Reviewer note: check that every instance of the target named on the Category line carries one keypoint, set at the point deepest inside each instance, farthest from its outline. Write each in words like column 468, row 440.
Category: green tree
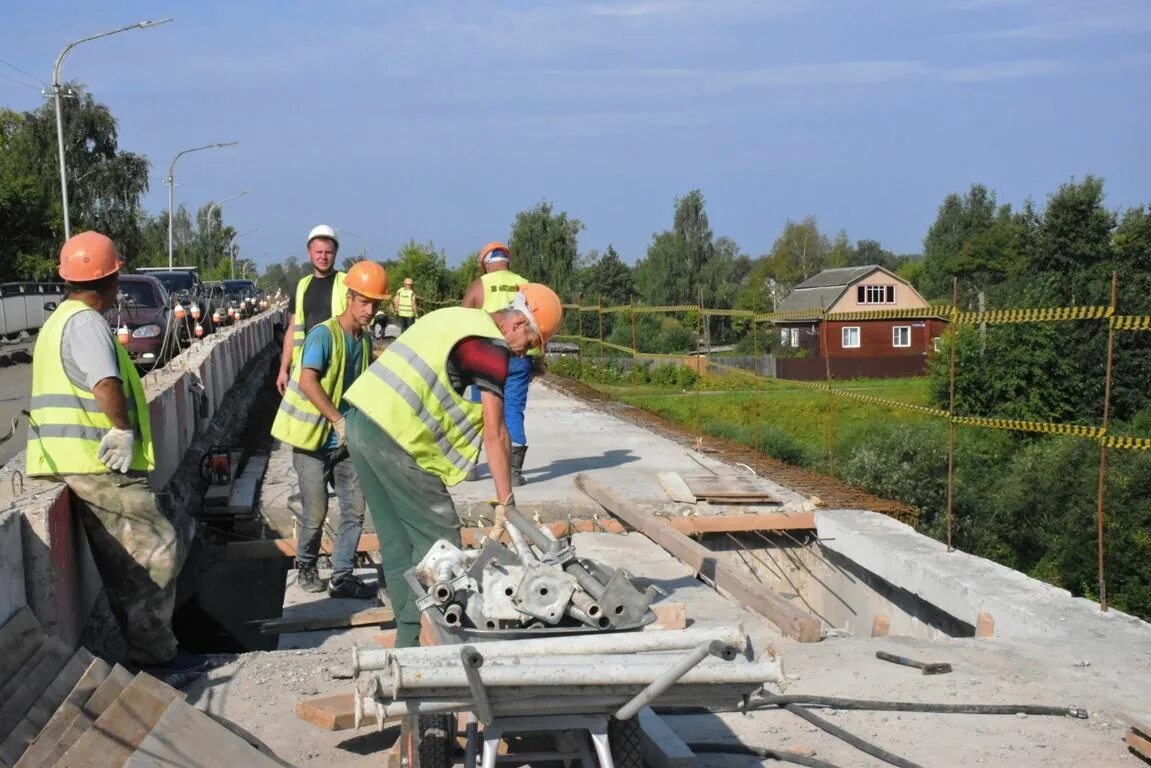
column 545, row 247
column 800, row 252
column 427, row 267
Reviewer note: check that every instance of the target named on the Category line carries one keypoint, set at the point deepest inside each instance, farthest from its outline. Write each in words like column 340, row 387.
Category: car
column 144, row 308
column 186, row 287
column 243, row 296
column 218, row 300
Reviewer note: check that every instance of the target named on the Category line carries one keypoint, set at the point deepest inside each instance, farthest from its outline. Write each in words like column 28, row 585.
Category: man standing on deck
column 404, row 303
column 311, row 420
column 317, row 297
column 412, row 433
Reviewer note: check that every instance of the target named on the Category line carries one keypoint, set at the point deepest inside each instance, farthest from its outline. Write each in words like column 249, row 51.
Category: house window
column 875, row 294
column 901, row 336
column 937, row 344
column 783, row 337
column 851, row 337
column 795, row 337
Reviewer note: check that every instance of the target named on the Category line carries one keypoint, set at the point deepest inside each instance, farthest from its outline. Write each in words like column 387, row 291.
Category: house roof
column 820, row 291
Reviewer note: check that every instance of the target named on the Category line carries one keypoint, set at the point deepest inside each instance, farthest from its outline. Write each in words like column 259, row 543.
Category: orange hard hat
column 542, row 307
column 494, row 248
column 88, row 256
column 369, row 279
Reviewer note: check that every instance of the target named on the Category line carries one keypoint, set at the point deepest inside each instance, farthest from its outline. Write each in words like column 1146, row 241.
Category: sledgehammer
column 928, row 669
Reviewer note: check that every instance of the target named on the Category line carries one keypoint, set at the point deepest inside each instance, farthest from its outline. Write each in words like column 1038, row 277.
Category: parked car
column 144, row 307
column 186, row 287
column 243, row 296
column 218, row 299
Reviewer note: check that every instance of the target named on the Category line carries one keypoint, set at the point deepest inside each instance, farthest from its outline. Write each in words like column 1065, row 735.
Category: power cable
column 26, row 74
column 707, row 747
column 914, row 706
column 19, row 82
column 861, row 744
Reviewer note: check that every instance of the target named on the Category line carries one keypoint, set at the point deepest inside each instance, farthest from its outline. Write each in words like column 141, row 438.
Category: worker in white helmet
column 318, row 297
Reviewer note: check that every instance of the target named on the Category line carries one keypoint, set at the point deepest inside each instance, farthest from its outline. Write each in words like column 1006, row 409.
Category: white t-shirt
column 88, row 350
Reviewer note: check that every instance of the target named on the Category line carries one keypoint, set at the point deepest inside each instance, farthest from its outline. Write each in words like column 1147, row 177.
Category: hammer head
column 936, row 669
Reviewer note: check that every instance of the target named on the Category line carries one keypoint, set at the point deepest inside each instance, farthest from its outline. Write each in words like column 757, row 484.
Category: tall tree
column 800, row 252
column 545, row 247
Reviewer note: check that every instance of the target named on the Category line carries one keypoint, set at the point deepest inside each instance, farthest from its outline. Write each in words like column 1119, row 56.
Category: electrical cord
column 707, row 747
column 12, row 430
column 855, row 741
column 913, row 706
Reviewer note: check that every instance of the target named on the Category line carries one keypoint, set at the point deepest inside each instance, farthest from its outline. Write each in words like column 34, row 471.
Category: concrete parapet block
column 11, row 566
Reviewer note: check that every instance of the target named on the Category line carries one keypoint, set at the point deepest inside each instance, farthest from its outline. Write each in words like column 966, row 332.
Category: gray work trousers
column 313, row 468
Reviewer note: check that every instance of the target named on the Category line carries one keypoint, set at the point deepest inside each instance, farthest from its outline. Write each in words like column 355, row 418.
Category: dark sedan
column 144, row 309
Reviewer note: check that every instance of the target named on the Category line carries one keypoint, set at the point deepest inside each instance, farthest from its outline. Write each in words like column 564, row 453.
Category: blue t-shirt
column 318, row 356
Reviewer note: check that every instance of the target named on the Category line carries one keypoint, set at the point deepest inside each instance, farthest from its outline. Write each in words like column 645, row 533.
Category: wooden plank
column 43, row 707
column 17, row 701
column 774, row 521
column 20, row 637
column 333, row 713
column 103, row 697
column 65, row 714
column 793, row 621
column 242, row 500
column 364, row 618
column 730, row 489
column 123, row 727
column 185, row 737
column 676, row 488
column 1138, row 742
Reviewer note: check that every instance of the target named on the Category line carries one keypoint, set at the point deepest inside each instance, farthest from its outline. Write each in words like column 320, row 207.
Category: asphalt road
column 15, row 384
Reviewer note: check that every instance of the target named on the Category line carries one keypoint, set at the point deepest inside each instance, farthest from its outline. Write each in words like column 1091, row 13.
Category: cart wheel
column 626, row 747
column 433, row 737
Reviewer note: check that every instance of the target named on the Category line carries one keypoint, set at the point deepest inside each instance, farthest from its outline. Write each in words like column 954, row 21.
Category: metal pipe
column 534, row 534
column 591, row 672
column 453, row 615
column 587, row 582
column 372, row 659
column 669, row 678
column 580, row 615
column 472, row 661
column 584, row 602
column 521, row 546
column 442, row 592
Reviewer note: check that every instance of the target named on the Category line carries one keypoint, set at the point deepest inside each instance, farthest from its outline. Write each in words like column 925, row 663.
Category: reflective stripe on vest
column 299, row 423
column 299, row 322
column 407, row 393
column 405, row 306
column 65, row 423
column 499, row 288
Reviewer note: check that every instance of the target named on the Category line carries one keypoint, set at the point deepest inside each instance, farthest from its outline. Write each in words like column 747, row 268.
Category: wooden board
column 730, row 489
column 43, row 707
column 1138, row 739
column 333, row 713
column 123, row 727
column 676, row 488
column 16, row 702
column 65, row 714
column 185, row 737
column 242, row 500
column 793, row 621
column 20, row 637
column 103, row 697
column 364, row 618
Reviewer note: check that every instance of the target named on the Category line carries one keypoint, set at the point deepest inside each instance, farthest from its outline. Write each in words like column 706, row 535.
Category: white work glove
column 341, row 433
column 116, row 449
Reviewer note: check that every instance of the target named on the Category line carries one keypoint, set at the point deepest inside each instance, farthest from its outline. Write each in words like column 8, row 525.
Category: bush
column 564, row 365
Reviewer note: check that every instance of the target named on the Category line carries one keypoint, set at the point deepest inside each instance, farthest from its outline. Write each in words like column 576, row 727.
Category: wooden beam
column 752, row 594
column 369, row 542
column 364, row 618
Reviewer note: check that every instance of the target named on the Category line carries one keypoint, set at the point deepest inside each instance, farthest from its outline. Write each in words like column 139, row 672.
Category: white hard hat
column 323, row 230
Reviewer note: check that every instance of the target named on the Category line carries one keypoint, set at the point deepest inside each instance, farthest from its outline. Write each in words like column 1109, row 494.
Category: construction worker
column 311, row 420
column 317, row 297
column 89, row 428
column 412, row 433
column 491, row 291
column 404, row 304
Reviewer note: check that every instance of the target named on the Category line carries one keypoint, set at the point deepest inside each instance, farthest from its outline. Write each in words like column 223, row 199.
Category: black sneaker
column 352, row 586
column 309, row 579
column 182, row 662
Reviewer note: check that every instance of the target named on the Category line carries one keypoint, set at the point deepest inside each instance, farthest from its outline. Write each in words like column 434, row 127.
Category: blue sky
column 440, row 120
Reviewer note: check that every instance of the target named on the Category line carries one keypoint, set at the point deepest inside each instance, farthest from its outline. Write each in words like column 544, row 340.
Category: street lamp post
column 171, row 182
column 57, row 93
column 232, row 270
column 214, row 206
column 363, row 245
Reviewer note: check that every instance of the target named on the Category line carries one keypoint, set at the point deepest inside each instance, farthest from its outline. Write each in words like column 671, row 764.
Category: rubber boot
column 518, row 453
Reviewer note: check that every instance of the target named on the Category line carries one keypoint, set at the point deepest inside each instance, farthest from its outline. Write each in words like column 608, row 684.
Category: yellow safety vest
column 407, row 304
column 65, row 425
column 299, row 423
column 499, row 288
column 299, row 326
column 407, row 393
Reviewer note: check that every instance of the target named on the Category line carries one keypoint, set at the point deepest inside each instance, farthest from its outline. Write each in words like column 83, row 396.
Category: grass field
column 782, row 418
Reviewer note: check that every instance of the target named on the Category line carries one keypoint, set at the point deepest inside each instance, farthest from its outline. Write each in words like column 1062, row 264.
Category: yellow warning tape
column 674, row 308
column 729, row 313
column 1130, row 443
column 1131, row 323
column 1036, row 315
column 1021, row 425
column 859, row 396
column 890, row 314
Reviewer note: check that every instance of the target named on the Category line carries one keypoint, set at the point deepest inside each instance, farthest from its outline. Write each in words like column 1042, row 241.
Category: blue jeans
column 313, row 468
column 515, row 397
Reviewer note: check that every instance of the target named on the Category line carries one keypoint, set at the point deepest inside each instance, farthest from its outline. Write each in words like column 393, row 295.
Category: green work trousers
column 134, row 545
column 410, row 507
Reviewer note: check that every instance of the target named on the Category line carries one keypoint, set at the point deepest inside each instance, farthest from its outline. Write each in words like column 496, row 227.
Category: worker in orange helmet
column 493, row 290
column 89, row 428
column 412, row 433
column 311, row 419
